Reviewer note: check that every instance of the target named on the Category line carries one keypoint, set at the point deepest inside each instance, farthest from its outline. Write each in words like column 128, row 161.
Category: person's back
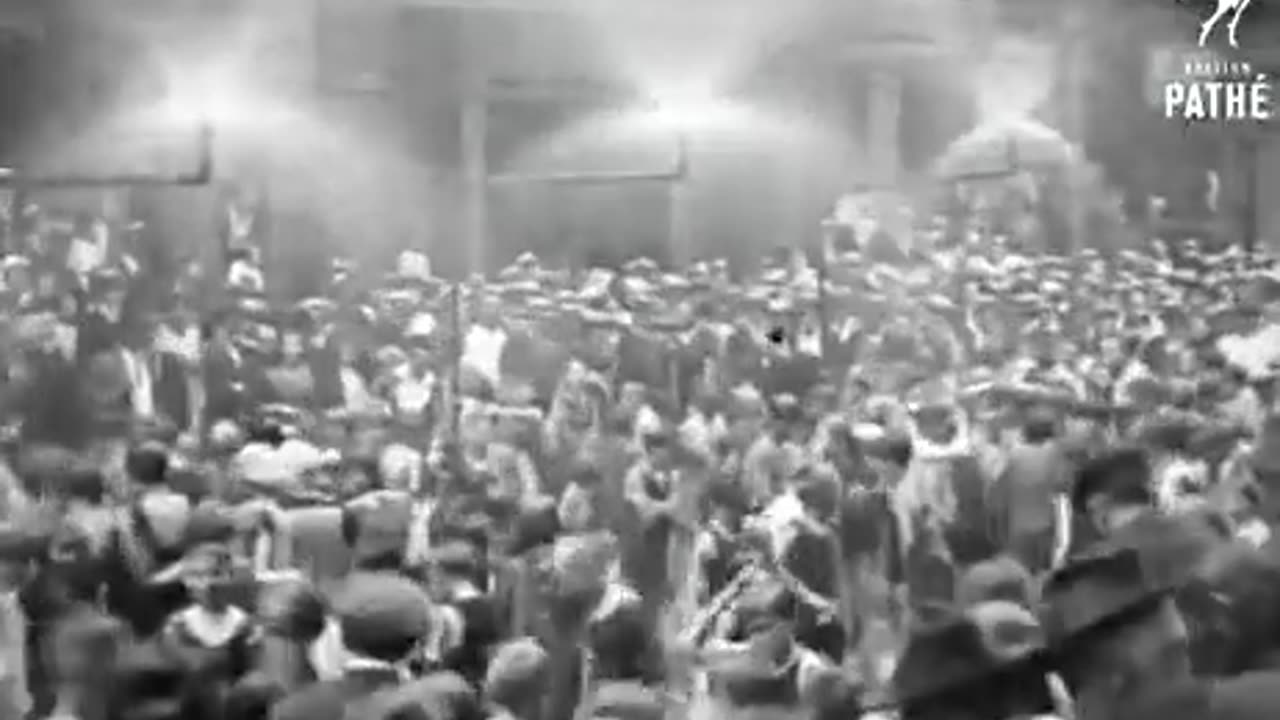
column 1036, row 474
column 54, row 408
column 1243, row 697
column 1033, row 476
column 330, row 699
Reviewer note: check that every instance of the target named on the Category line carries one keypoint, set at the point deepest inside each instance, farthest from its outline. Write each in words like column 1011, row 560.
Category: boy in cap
column 514, row 681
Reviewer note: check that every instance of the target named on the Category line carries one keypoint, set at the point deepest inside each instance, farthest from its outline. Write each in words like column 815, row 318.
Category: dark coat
column 330, row 699
column 221, row 372
column 1252, row 696
column 326, row 373
column 481, row 632
column 169, row 388
column 53, row 406
column 644, row 358
column 95, row 333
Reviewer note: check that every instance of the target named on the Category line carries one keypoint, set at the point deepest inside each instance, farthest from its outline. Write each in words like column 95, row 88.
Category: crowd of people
column 958, row 480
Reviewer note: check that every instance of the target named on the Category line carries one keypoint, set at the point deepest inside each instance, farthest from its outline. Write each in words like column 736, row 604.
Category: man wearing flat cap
column 383, row 618
column 513, row 684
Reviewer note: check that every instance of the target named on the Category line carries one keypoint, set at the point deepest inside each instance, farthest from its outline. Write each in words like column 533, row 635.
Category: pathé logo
column 1234, row 8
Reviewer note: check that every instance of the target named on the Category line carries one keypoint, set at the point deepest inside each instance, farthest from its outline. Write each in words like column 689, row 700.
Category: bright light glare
column 1015, row 78
column 223, row 108
column 213, row 92
column 694, row 115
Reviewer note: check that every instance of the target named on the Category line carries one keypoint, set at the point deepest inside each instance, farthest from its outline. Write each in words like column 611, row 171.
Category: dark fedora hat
column 1102, row 585
column 1122, row 472
column 961, row 651
column 1174, row 547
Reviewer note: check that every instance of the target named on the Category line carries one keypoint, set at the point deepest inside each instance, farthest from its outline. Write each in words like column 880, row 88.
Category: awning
column 1008, row 147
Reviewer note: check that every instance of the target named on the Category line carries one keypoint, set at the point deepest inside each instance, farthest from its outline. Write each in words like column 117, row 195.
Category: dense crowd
column 954, row 481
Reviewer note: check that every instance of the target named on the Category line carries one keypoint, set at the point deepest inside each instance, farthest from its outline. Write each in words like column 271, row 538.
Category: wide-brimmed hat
column 965, row 648
column 1095, row 588
column 1174, row 547
column 1120, row 472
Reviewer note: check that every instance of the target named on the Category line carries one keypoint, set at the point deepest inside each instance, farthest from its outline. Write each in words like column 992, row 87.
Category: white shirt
column 779, row 519
column 13, row 654
column 413, row 394
column 245, row 276
column 86, row 255
column 1132, row 371
column 327, row 653
column 212, row 629
column 647, row 422
column 141, row 396
column 701, row 432
column 355, row 393
column 482, row 350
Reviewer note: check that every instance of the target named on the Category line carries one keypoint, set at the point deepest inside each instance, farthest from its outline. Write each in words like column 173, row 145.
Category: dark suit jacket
column 94, row 334
column 220, row 373
column 53, row 406
column 326, row 373
column 1252, row 696
column 330, row 699
column 169, row 388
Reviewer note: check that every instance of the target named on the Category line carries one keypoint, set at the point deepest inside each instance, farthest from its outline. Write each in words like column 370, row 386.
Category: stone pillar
column 1266, row 167
column 284, row 57
column 678, row 250
column 475, row 130
column 884, row 110
column 680, row 206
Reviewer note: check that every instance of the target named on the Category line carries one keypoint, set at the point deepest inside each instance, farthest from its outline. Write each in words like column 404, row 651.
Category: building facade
column 411, row 107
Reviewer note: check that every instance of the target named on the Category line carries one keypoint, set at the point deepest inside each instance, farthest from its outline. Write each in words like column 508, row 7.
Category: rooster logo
column 1236, row 9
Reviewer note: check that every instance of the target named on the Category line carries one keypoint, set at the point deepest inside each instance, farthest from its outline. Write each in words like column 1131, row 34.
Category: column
column 884, row 110
column 284, row 57
column 1075, row 57
column 475, row 130
column 679, row 206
